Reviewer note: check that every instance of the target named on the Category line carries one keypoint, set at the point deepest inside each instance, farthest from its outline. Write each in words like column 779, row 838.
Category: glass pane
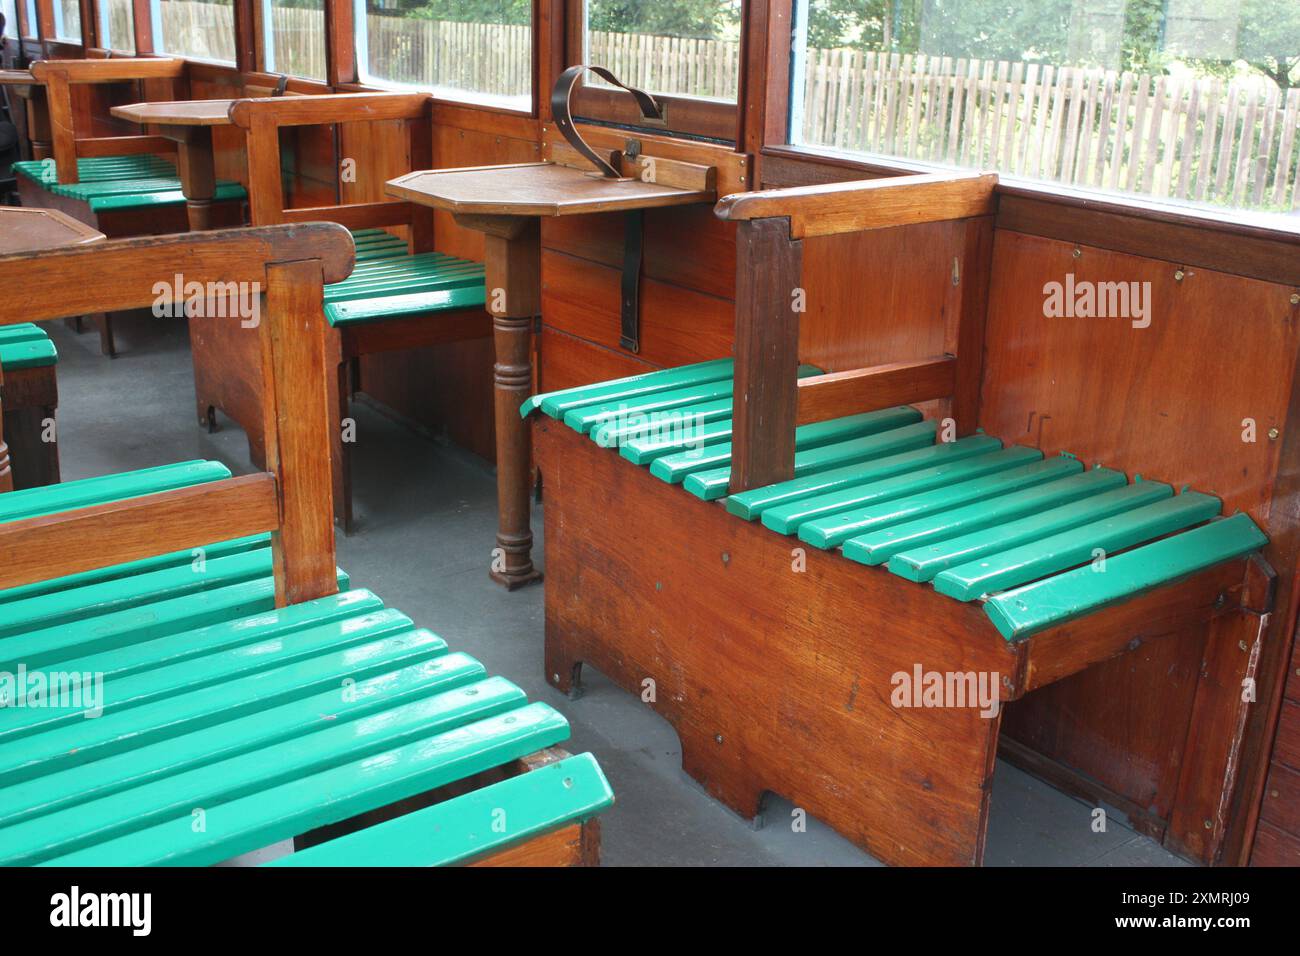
column 29, row 14
column 116, row 25
column 67, row 20
column 1185, row 101
column 476, row 50
column 10, row 12
column 296, row 37
column 678, row 47
column 204, row 30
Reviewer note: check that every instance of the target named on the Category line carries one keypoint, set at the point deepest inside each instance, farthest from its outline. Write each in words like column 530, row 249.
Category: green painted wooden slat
column 751, row 504
column 1078, row 545
column 928, row 469
column 217, row 667
column 80, row 784
column 1019, row 613
column 130, row 199
column 22, row 332
column 675, row 467
column 145, row 622
column 77, row 607
column 402, row 273
column 568, row 791
column 402, row 284
column 691, row 437
column 34, row 502
column 34, row 353
column 924, row 563
column 254, row 629
column 556, row 404
column 251, row 774
column 79, row 742
column 304, row 804
column 879, row 546
column 713, row 484
column 833, row 530
column 389, row 307
column 616, row 433
column 117, row 572
column 683, row 400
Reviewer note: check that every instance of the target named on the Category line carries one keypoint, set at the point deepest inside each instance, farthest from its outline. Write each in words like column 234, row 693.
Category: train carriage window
column 686, row 52
column 29, row 19
column 67, row 20
column 116, row 25
column 201, row 29
column 1179, row 101
column 477, row 51
column 294, row 32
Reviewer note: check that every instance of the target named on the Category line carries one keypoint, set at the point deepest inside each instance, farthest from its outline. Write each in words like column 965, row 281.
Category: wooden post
column 198, row 178
column 966, row 309
column 512, row 263
column 58, row 97
column 765, row 399
column 297, row 429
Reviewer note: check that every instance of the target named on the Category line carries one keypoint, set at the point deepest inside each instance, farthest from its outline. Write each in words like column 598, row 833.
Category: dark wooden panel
column 1274, row 847
column 1286, row 748
column 1282, row 799
column 678, row 325
column 566, row 361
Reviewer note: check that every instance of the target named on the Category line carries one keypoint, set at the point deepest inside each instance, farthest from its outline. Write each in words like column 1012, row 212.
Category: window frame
column 486, row 102
column 689, row 117
column 265, row 41
column 156, row 37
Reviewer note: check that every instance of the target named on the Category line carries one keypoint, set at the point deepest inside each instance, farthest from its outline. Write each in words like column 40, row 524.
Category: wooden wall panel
column 679, row 325
column 565, row 361
column 1166, row 401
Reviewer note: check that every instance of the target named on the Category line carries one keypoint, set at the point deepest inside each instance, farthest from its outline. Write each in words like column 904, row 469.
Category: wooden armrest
column 322, row 108
column 109, row 71
column 866, row 204
column 119, row 275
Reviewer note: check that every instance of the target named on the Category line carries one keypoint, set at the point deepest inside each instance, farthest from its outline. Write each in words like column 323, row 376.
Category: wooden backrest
column 262, row 118
column 770, row 401
column 287, row 266
column 59, row 76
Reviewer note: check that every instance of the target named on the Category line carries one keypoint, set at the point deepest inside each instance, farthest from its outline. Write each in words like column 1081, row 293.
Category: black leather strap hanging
column 562, row 111
column 280, row 85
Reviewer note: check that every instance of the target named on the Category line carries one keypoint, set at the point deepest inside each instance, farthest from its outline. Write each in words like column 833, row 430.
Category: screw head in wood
column 1274, row 434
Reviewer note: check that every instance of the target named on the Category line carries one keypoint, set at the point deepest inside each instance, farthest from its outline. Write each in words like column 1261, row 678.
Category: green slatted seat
column 26, row 346
column 273, row 721
column 976, row 520
column 389, row 282
column 120, row 182
column 567, row 791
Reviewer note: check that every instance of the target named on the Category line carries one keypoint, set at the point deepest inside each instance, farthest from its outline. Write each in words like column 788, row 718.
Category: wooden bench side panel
column 775, row 679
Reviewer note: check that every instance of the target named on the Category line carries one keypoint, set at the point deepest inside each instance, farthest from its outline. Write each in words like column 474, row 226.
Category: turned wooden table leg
column 198, row 179
column 512, row 258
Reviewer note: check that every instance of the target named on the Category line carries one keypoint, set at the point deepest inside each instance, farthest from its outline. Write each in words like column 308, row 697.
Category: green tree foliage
column 704, row 19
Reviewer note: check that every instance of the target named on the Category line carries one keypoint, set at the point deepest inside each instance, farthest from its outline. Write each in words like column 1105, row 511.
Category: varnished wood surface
column 534, row 189
column 836, row 394
column 177, row 113
column 30, row 230
column 16, row 78
column 51, row 546
column 110, row 70
column 832, row 208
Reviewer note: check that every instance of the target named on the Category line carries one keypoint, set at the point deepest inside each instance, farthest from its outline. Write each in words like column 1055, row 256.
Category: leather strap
column 562, row 111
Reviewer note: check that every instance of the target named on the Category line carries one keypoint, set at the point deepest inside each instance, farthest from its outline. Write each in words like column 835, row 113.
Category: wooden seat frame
column 776, row 662
column 222, row 353
column 291, row 265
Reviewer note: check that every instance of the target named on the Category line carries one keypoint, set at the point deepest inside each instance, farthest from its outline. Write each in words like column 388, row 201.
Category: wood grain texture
column 38, row 549
column 832, row 208
column 765, row 402
column 821, row 397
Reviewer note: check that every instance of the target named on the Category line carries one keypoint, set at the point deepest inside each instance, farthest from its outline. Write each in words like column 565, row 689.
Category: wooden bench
column 401, row 295
column 29, row 361
column 122, row 185
column 242, row 694
column 830, row 596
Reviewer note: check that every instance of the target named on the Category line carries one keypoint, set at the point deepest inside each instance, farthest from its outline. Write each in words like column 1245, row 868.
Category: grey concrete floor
column 426, row 521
